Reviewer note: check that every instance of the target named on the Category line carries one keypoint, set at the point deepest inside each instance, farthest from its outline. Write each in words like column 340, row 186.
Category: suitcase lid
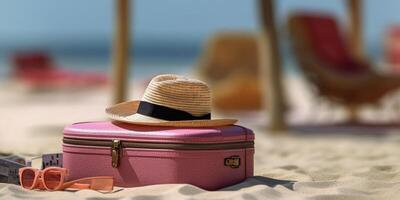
column 138, row 133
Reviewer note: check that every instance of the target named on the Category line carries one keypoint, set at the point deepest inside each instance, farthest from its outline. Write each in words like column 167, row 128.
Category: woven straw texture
column 173, row 91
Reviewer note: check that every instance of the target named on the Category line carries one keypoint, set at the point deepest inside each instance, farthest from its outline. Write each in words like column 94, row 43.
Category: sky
column 49, row 21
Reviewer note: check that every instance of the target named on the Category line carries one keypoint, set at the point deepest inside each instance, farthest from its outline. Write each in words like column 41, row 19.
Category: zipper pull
column 115, row 153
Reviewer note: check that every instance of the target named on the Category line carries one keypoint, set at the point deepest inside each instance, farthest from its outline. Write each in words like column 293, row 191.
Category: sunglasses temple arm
column 103, row 183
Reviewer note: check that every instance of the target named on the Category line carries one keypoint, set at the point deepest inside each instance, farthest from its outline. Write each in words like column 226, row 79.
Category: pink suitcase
column 210, row 158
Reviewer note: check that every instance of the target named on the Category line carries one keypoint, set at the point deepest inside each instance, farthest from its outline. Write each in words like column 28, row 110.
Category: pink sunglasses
column 53, row 178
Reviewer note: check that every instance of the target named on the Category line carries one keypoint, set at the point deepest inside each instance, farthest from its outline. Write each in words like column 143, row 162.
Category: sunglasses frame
column 99, row 183
column 39, row 177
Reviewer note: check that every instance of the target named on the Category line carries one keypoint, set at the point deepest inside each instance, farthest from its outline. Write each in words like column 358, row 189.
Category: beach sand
column 323, row 166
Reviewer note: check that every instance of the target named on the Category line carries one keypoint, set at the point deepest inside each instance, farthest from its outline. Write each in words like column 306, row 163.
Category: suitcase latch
column 115, row 153
column 232, row 162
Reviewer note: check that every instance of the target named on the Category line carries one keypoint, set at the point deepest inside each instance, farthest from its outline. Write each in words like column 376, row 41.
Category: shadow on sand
column 260, row 180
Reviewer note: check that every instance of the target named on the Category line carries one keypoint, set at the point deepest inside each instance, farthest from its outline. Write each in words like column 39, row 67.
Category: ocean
column 148, row 57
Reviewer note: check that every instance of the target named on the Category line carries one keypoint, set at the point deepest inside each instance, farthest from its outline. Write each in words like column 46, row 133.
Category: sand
column 323, row 166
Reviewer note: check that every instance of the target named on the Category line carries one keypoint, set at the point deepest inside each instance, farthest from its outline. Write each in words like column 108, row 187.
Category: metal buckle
column 115, row 153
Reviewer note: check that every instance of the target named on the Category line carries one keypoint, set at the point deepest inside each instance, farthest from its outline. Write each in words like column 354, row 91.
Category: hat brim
column 126, row 112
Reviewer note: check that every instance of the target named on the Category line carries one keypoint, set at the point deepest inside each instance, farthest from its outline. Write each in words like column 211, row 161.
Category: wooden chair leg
column 353, row 114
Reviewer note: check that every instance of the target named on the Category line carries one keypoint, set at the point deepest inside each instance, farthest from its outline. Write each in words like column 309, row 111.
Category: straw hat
column 170, row 100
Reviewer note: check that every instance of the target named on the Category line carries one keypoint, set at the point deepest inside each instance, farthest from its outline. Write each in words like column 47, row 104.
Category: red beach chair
column 324, row 57
column 38, row 70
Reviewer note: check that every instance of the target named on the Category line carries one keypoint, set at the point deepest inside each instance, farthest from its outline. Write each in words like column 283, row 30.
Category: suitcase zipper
column 118, row 145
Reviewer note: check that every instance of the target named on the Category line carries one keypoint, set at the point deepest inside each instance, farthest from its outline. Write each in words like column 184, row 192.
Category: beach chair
column 230, row 64
column 391, row 45
column 37, row 70
column 325, row 58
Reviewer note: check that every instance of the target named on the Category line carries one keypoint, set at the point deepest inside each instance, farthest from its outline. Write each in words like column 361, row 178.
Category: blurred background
column 79, row 34
column 56, row 60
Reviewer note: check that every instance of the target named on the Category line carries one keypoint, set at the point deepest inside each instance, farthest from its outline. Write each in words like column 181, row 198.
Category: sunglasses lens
column 27, row 178
column 52, row 178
